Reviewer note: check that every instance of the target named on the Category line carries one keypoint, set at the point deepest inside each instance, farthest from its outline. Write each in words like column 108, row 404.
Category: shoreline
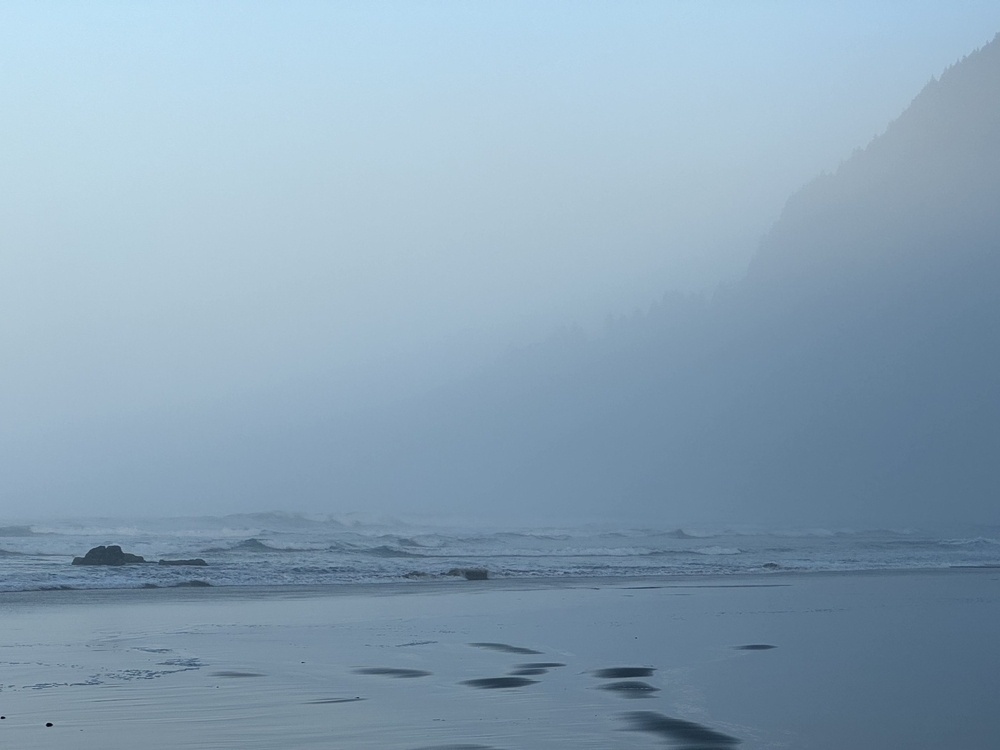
column 868, row 659
column 199, row 590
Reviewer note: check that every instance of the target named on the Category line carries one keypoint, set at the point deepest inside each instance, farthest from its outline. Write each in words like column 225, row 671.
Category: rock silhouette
column 110, row 555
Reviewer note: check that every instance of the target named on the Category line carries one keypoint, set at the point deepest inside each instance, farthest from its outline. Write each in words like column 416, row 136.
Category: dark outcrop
column 110, row 555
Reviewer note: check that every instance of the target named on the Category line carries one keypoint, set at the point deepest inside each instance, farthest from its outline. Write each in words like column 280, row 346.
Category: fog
column 239, row 243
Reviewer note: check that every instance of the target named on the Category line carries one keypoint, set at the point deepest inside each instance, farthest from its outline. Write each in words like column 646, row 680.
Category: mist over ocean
column 499, row 375
column 282, row 549
column 512, row 280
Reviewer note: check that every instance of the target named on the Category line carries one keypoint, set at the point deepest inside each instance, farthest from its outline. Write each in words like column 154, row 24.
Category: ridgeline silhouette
column 851, row 377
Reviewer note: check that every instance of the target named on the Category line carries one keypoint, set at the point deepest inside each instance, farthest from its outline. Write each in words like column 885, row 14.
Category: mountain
column 851, row 377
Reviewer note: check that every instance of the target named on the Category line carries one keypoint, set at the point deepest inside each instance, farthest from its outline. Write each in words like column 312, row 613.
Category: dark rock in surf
column 192, row 561
column 470, row 574
column 110, row 555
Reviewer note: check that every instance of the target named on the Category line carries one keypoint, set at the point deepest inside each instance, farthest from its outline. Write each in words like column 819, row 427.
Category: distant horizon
column 360, row 520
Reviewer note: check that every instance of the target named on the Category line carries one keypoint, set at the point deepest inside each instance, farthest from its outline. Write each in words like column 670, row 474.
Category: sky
column 208, row 202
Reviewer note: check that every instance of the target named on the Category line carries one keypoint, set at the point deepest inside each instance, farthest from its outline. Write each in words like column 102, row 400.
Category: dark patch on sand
column 618, row 673
column 232, row 673
column 392, row 672
column 631, row 688
column 756, row 647
column 324, row 701
column 494, row 683
column 684, row 735
column 536, row 667
column 505, row 648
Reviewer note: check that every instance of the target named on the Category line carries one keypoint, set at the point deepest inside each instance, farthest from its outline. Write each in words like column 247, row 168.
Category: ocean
column 286, row 549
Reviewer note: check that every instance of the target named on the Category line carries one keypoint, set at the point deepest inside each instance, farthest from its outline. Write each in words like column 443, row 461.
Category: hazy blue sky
column 204, row 200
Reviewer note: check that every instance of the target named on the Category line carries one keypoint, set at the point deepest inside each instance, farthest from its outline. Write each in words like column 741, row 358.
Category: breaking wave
column 279, row 549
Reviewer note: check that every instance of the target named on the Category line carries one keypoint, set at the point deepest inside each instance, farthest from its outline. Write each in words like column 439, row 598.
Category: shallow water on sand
column 854, row 660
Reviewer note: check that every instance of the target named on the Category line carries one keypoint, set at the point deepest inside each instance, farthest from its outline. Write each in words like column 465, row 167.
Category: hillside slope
column 851, row 377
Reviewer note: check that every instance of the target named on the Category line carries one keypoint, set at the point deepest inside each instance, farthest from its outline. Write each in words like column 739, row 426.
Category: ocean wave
column 404, row 541
column 979, row 541
column 718, row 551
column 17, row 531
column 289, row 549
column 282, row 521
column 322, row 570
column 254, row 545
column 680, row 534
column 94, row 530
column 386, row 551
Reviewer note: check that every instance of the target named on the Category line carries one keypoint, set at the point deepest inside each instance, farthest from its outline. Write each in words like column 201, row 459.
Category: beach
column 817, row 660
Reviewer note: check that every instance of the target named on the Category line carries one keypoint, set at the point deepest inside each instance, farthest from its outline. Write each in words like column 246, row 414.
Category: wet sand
column 858, row 661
